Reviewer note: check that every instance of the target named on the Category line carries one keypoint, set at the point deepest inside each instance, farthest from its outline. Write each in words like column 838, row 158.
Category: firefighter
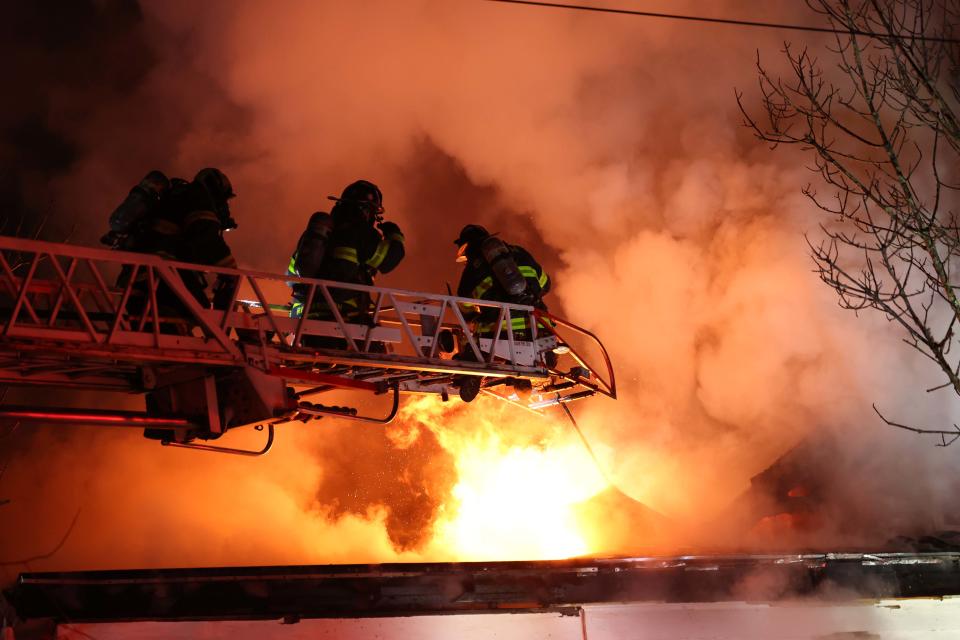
column 350, row 244
column 496, row 271
column 178, row 220
column 307, row 259
column 206, row 217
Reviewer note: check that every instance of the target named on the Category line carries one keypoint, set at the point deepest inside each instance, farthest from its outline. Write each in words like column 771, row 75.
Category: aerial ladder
column 68, row 320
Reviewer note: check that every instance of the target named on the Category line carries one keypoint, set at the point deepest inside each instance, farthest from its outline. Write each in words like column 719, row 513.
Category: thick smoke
column 609, row 147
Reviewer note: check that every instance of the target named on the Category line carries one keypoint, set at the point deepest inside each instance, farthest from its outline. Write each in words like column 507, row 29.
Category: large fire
column 519, row 478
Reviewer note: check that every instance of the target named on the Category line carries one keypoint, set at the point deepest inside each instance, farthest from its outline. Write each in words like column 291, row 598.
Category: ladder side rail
column 401, row 310
column 510, row 339
column 266, row 305
column 467, row 332
column 169, row 275
column 119, row 321
column 61, row 293
column 435, row 344
column 377, row 310
column 328, row 297
column 288, row 326
column 142, row 320
column 414, row 343
column 99, row 296
column 496, row 336
column 439, row 303
column 101, row 286
column 234, row 290
column 10, row 280
column 129, row 258
column 610, row 383
column 43, row 288
column 158, row 272
column 298, row 333
column 152, row 284
column 21, row 299
column 127, row 347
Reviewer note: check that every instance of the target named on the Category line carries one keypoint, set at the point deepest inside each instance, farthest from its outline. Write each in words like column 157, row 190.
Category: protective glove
column 389, row 229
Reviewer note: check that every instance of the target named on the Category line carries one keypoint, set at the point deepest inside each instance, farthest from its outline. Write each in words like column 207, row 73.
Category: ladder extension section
column 81, row 317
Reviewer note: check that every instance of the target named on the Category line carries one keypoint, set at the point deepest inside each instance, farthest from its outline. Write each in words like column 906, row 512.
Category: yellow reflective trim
column 346, row 253
column 292, row 267
column 482, row 287
column 518, row 324
column 396, row 237
column 531, row 272
column 528, row 272
column 379, row 255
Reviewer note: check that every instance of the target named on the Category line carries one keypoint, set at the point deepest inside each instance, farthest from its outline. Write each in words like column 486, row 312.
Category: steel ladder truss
column 77, row 317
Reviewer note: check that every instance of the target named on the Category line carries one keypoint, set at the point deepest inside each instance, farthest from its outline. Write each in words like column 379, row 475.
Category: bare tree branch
column 880, row 121
column 944, row 442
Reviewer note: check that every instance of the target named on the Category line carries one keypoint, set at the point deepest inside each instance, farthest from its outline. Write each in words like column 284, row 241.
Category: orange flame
column 519, row 479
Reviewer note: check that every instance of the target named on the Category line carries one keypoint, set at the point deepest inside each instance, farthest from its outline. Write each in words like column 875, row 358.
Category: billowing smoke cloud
column 609, row 147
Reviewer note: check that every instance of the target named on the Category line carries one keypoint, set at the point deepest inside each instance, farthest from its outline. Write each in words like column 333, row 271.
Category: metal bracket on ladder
column 215, row 449
column 320, row 410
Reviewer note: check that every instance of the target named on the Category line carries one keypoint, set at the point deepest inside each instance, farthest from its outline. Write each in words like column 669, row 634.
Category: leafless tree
column 880, row 115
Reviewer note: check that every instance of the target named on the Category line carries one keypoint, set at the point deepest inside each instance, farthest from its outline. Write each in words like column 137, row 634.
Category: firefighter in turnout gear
column 350, row 244
column 497, row 271
column 178, row 220
column 307, row 258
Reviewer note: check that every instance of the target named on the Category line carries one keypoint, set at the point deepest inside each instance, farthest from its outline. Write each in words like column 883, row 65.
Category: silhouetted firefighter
column 177, row 220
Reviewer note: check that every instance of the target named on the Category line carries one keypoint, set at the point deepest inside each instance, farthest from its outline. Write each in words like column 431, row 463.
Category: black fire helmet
column 470, row 237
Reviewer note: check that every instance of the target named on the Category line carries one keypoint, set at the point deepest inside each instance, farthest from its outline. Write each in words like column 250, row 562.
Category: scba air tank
column 140, row 202
column 497, row 254
column 313, row 244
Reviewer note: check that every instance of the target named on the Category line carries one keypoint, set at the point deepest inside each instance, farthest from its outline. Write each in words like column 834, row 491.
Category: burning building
column 612, row 149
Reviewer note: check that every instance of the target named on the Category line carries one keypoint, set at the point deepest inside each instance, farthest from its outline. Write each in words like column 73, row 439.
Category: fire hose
column 586, row 444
